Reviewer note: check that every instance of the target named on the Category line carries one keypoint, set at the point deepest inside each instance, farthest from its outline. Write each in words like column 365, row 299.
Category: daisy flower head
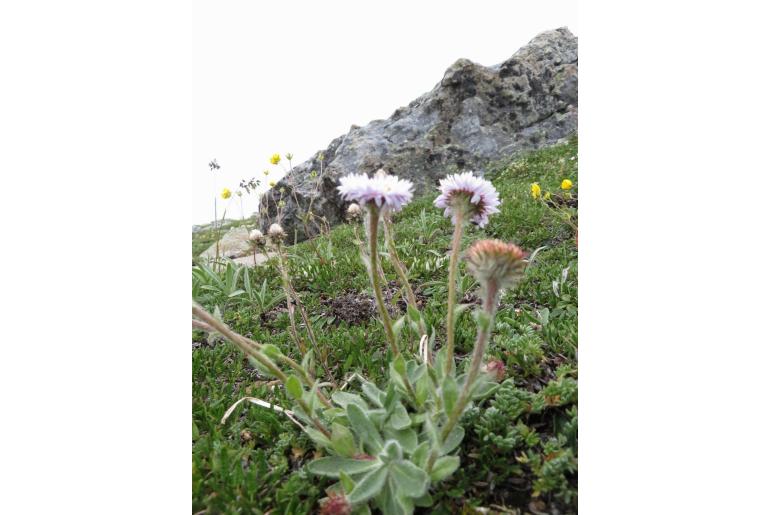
column 383, row 190
column 476, row 197
column 566, row 184
column 496, row 262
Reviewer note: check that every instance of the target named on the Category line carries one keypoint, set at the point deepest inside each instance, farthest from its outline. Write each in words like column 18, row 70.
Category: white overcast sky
column 289, row 76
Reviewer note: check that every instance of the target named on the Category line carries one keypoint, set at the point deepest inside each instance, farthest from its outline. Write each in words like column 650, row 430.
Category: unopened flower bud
column 336, row 504
column 276, row 234
column 496, row 369
column 496, row 263
column 354, row 212
column 257, row 237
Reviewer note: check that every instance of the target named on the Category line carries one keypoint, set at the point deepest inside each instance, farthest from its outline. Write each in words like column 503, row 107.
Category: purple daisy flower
column 481, row 195
column 383, row 190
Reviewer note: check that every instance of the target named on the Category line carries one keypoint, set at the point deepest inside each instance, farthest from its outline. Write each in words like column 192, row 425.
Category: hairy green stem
column 401, row 270
column 452, row 286
column 482, row 339
column 491, row 293
column 289, row 305
column 374, row 218
column 305, row 319
column 253, row 349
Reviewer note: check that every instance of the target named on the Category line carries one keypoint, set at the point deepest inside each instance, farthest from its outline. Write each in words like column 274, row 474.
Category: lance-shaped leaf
column 374, row 394
column 449, row 393
column 342, row 440
column 410, row 480
column 453, row 439
column 331, row 466
column 400, row 418
column 294, row 386
column 346, row 482
column 364, row 428
column 421, row 454
column 345, row 398
column 392, row 451
column 444, row 467
column 369, row 486
column 407, row 438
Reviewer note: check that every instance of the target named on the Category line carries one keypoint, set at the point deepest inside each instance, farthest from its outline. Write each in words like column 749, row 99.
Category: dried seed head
column 276, row 234
column 494, row 262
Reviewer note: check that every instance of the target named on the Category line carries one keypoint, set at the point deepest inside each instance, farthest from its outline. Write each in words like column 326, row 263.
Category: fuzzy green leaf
column 374, row 394
column 407, row 438
column 318, row 437
column 391, row 451
column 331, row 466
column 364, row 428
column 449, row 393
column 411, row 480
column 453, row 440
column 444, row 467
column 369, row 486
column 400, row 418
column 271, row 351
column 399, row 364
column 347, row 482
column 342, row 440
column 345, row 398
column 420, row 454
column 294, row 387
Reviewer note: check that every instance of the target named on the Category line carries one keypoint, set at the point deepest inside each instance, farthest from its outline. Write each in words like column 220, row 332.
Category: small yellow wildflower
column 535, row 189
column 566, row 184
column 226, row 194
column 275, row 159
column 271, row 184
column 547, row 195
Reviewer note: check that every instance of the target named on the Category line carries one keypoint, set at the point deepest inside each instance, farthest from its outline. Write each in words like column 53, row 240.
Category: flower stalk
column 374, row 218
column 253, row 349
column 452, row 286
column 401, row 271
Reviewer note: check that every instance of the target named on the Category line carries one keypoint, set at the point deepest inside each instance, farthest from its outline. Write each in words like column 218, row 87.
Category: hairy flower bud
column 496, row 369
column 496, row 263
column 354, row 212
column 276, row 234
column 257, row 237
column 336, row 504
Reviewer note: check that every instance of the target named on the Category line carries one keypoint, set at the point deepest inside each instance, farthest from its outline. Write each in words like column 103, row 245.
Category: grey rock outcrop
column 234, row 244
column 475, row 116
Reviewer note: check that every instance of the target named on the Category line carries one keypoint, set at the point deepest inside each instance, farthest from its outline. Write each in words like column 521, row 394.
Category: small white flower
column 480, row 194
column 383, row 190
